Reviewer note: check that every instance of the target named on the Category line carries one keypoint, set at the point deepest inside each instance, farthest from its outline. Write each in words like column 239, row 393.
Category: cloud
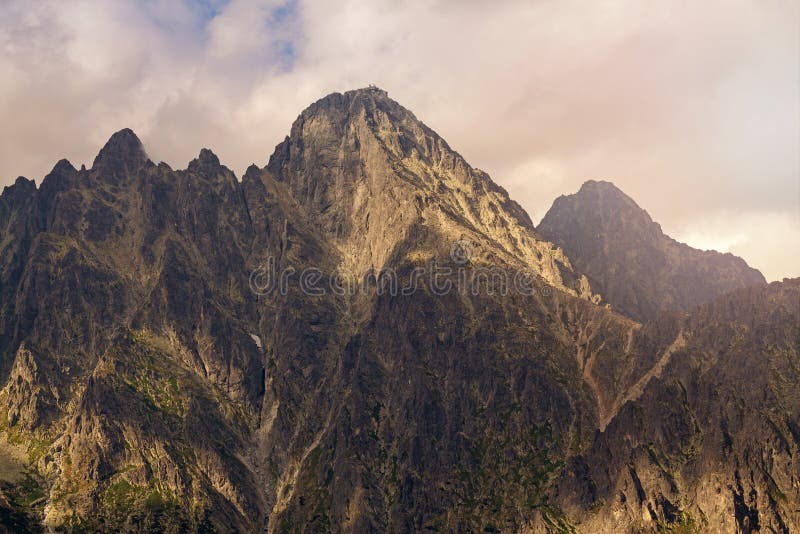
column 770, row 241
column 692, row 109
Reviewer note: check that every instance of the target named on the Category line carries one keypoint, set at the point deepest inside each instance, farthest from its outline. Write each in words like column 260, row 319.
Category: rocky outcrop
column 182, row 351
column 121, row 156
column 635, row 267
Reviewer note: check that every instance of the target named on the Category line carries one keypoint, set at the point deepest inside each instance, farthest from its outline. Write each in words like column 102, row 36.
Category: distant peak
column 123, row 150
column 599, row 185
column 605, row 193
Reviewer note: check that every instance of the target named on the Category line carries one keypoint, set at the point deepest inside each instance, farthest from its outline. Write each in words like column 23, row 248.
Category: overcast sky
column 692, row 108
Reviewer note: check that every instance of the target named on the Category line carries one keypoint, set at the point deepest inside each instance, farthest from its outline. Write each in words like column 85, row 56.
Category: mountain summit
column 372, row 175
column 638, row 269
column 123, row 151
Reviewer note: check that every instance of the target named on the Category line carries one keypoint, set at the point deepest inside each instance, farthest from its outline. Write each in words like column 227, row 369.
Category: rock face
column 635, row 267
column 710, row 443
column 372, row 174
column 183, row 351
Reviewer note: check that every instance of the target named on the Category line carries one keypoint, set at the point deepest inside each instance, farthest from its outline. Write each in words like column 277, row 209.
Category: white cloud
column 692, row 109
column 769, row 241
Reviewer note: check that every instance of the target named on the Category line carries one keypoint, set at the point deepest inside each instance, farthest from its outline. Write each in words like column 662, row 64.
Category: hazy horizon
column 693, row 112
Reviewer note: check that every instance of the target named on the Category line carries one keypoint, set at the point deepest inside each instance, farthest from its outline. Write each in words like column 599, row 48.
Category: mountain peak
column 205, row 162
column 207, row 156
column 370, row 92
column 605, row 191
column 123, row 151
column 600, row 185
column 337, row 116
column 372, row 173
column 630, row 261
column 349, row 105
column 63, row 166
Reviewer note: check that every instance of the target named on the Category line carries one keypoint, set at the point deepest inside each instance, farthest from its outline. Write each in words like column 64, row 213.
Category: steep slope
column 16, row 234
column 370, row 172
column 712, row 442
column 635, row 267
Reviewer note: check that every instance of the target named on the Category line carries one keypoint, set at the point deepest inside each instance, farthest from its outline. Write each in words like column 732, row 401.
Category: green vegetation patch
column 150, row 372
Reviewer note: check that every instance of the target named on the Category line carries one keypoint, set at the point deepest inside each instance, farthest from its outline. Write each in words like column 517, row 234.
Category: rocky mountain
column 373, row 175
column 365, row 335
column 635, row 267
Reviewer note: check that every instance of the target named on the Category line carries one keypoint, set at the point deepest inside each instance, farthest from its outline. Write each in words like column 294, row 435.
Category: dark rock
column 123, row 153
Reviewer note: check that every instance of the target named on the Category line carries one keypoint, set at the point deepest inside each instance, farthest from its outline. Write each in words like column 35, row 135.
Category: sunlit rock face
column 156, row 379
column 371, row 173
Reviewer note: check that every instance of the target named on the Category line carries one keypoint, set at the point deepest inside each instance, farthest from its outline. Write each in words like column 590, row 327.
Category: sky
column 691, row 108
